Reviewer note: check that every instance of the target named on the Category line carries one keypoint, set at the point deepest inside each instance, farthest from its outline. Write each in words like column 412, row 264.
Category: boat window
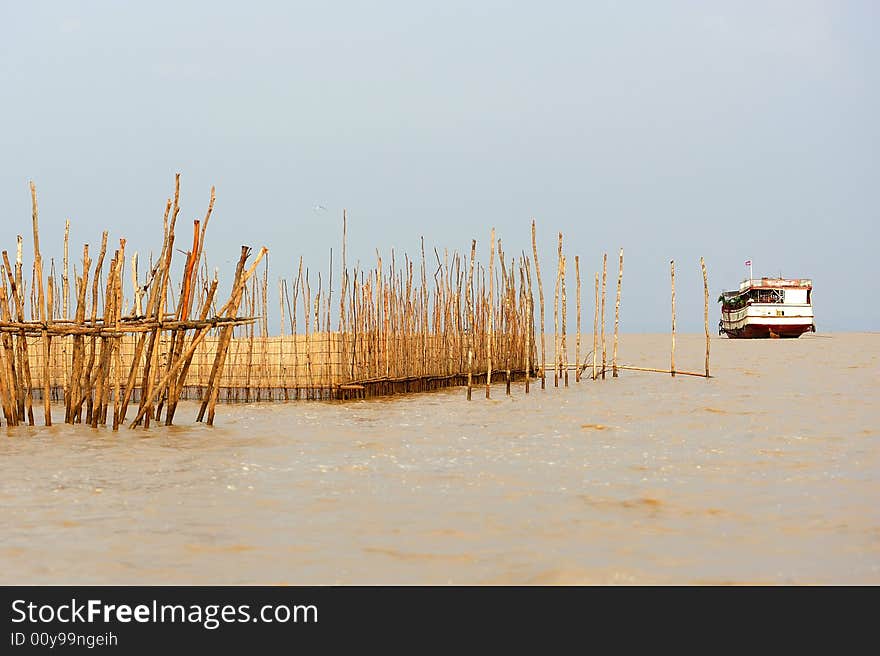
column 766, row 295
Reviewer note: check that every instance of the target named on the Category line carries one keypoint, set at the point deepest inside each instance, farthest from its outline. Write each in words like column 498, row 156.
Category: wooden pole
column 136, row 309
column 672, row 353
column 699, row 374
column 563, row 356
column 231, row 308
column 343, row 293
column 577, row 348
column 541, row 301
column 706, row 310
column 557, row 364
column 25, row 397
column 41, row 303
column 73, row 386
column 617, row 316
column 529, row 321
column 595, row 326
column 65, row 284
column 604, row 281
column 65, row 292
column 90, row 372
column 8, row 353
column 489, row 332
column 469, row 294
column 117, row 343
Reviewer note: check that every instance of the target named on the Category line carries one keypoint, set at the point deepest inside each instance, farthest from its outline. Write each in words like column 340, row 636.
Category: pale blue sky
column 732, row 130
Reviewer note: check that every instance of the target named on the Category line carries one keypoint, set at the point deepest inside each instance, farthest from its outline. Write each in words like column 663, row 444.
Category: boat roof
column 775, row 283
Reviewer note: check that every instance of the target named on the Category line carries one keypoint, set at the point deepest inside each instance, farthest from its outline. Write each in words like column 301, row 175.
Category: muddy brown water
column 767, row 473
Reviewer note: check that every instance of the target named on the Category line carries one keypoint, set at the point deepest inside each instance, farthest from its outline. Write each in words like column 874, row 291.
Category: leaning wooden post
column 491, row 316
column 541, row 301
column 596, row 326
column 25, row 397
column 231, row 308
column 604, row 285
column 577, row 348
column 672, row 354
column 617, row 316
column 706, row 310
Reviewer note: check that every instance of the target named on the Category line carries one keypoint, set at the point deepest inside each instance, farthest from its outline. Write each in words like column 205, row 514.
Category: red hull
column 764, row 331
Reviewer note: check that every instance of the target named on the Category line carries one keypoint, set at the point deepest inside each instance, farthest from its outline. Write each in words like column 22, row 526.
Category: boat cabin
column 774, row 307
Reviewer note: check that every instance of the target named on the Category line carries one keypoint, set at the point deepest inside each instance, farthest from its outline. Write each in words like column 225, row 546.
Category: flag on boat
column 748, row 263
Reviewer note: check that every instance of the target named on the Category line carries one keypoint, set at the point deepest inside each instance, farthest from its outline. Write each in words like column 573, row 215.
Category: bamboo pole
column 136, row 310
column 65, row 293
column 672, row 352
column 329, row 365
column 661, row 371
column 117, row 344
column 89, row 372
column 64, row 275
column 184, row 305
column 6, row 396
column 706, row 310
column 489, row 333
column 530, row 319
column 577, row 348
column 604, row 280
column 97, row 381
column 76, row 368
column 596, row 327
column 541, row 300
column 557, row 363
column 469, row 291
column 343, row 293
column 563, row 358
column 508, row 323
column 281, row 369
column 25, row 406
column 182, row 362
column 617, row 315
column 41, row 304
column 200, row 335
column 8, row 349
column 292, row 313
column 230, row 309
column 155, row 308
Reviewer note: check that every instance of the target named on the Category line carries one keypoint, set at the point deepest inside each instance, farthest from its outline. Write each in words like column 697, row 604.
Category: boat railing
column 775, row 282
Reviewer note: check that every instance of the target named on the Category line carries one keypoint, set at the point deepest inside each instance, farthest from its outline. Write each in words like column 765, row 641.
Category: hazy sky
column 731, row 130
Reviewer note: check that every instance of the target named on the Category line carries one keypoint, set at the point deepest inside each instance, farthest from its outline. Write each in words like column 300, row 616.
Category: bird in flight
column 319, row 208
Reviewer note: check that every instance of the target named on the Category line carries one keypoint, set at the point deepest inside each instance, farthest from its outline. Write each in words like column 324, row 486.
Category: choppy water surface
column 769, row 472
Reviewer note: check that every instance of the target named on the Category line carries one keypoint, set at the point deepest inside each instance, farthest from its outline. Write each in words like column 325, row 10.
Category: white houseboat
column 768, row 307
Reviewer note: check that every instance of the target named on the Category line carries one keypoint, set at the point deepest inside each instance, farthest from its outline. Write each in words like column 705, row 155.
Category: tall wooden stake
column 563, row 358
column 489, row 335
column 556, row 349
column 577, row 348
column 469, row 295
column 604, row 281
column 596, row 327
column 617, row 316
column 706, row 310
column 672, row 354
column 541, row 300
